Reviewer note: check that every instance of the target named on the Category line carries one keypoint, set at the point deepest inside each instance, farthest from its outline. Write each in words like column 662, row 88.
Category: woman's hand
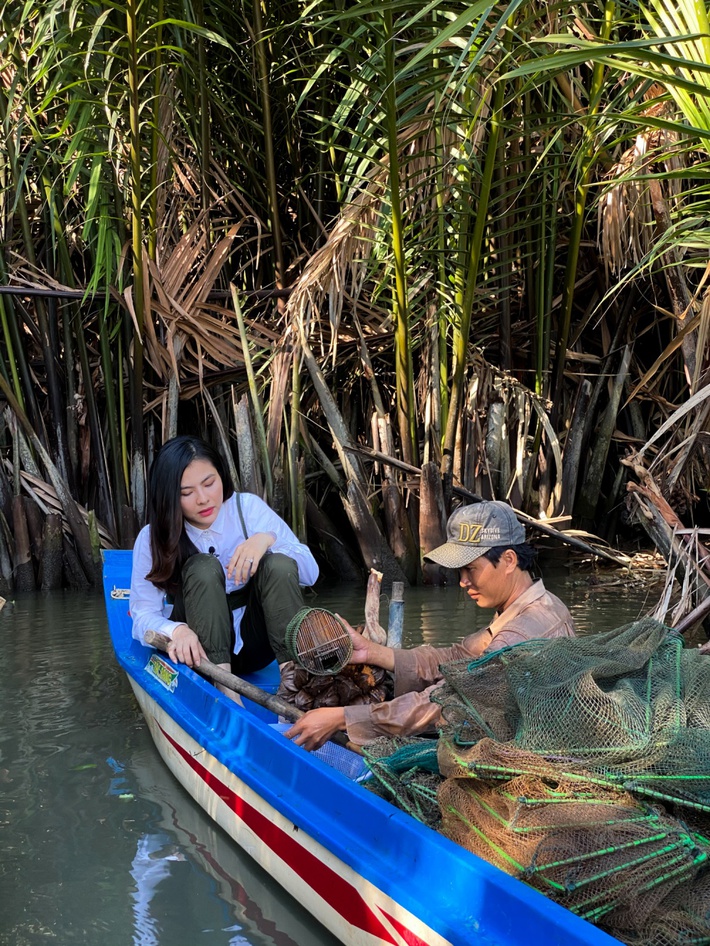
column 317, row 726
column 246, row 557
column 185, row 647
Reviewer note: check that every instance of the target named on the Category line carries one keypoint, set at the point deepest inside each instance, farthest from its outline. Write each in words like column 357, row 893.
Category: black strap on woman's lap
column 240, row 597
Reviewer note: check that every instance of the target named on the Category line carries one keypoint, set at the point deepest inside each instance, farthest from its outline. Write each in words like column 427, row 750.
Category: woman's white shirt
column 150, row 610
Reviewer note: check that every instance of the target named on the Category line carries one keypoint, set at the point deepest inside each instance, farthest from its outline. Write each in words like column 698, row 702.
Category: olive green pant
column 271, row 597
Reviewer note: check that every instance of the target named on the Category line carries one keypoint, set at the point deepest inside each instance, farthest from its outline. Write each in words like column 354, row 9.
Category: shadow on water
column 99, row 842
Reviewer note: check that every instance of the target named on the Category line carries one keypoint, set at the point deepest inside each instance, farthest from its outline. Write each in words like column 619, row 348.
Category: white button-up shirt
column 150, row 610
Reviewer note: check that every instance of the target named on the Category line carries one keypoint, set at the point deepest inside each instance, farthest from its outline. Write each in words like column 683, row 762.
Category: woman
column 218, row 572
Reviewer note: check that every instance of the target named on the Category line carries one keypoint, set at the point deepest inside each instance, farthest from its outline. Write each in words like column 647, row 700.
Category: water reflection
column 185, row 849
column 150, row 866
column 99, row 842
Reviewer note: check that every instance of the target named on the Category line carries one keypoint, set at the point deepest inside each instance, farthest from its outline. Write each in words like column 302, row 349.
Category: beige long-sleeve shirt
column 535, row 614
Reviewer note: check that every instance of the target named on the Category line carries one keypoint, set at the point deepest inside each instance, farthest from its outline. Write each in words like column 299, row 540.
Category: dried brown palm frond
column 685, row 550
column 493, row 450
column 339, row 265
column 625, row 215
column 680, row 447
column 46, row 498
column 338, row 269
column 27, row 275
column 187, row 334
column 688, row 572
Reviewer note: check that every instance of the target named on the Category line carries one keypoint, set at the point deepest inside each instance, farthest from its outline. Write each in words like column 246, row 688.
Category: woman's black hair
column 169, row 543
column 526, row 555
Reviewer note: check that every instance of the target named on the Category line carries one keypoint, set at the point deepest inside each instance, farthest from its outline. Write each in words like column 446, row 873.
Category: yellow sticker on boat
column 163, row 672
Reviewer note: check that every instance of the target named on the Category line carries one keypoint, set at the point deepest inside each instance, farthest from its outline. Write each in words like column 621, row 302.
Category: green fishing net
column 580, row 766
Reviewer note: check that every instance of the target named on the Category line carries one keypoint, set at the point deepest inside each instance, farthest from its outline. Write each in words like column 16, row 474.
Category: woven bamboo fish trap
column 318, row 641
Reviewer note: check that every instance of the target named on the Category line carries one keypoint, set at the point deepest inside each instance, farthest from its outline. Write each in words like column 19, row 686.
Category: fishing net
column 593, row 847
column 405, row 770
column 582, row 767
column 631, row 705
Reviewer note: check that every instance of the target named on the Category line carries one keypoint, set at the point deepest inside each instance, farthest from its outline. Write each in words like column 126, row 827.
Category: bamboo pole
column 270, row 701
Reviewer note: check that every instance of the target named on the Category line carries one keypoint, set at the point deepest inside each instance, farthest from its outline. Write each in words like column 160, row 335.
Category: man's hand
column 317, row 726
column 368, row 652
column 360, row 644
column 185, row 647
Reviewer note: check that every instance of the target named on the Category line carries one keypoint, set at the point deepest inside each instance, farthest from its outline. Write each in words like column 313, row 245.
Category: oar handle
column 254, row 693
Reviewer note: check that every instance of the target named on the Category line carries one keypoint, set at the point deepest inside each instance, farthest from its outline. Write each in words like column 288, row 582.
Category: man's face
column 489, row 585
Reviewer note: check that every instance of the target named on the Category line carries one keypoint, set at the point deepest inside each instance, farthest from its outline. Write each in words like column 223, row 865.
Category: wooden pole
column 268, row 700
column 396, row 615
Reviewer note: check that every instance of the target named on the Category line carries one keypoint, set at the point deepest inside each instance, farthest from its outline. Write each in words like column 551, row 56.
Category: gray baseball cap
column 472, row 530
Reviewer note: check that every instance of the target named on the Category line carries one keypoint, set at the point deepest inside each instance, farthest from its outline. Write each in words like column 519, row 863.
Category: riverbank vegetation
column 384, row 255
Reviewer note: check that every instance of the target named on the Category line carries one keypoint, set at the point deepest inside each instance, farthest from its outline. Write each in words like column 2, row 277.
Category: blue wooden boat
column 368, row 872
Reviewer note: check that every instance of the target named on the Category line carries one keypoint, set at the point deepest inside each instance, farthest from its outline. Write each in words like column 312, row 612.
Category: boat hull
column 368, row 872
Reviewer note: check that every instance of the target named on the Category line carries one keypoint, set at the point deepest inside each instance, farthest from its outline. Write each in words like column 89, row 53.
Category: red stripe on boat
column 335, row 890
column 411, row 939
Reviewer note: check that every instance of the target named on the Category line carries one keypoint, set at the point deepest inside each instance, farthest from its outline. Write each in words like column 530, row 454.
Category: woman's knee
column 278, row 565
column 203, row 570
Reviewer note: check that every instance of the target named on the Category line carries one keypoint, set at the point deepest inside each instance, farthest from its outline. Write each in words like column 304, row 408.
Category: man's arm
column 366, row 651
column 411, row 711
column 405, row 715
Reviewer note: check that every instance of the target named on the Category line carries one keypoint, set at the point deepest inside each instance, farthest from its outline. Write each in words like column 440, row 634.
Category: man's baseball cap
column 472, row 530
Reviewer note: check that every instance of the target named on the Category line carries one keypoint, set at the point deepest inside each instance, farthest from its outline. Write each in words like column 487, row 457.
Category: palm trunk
column 138, row 488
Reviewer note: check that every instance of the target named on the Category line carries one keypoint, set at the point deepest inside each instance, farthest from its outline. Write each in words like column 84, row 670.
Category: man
column 487, row 544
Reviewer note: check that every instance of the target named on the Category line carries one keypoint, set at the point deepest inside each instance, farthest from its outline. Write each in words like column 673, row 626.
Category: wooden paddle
column 268, row 700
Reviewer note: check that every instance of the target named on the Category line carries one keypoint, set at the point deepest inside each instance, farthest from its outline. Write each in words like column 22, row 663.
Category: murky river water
column 98, row 842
